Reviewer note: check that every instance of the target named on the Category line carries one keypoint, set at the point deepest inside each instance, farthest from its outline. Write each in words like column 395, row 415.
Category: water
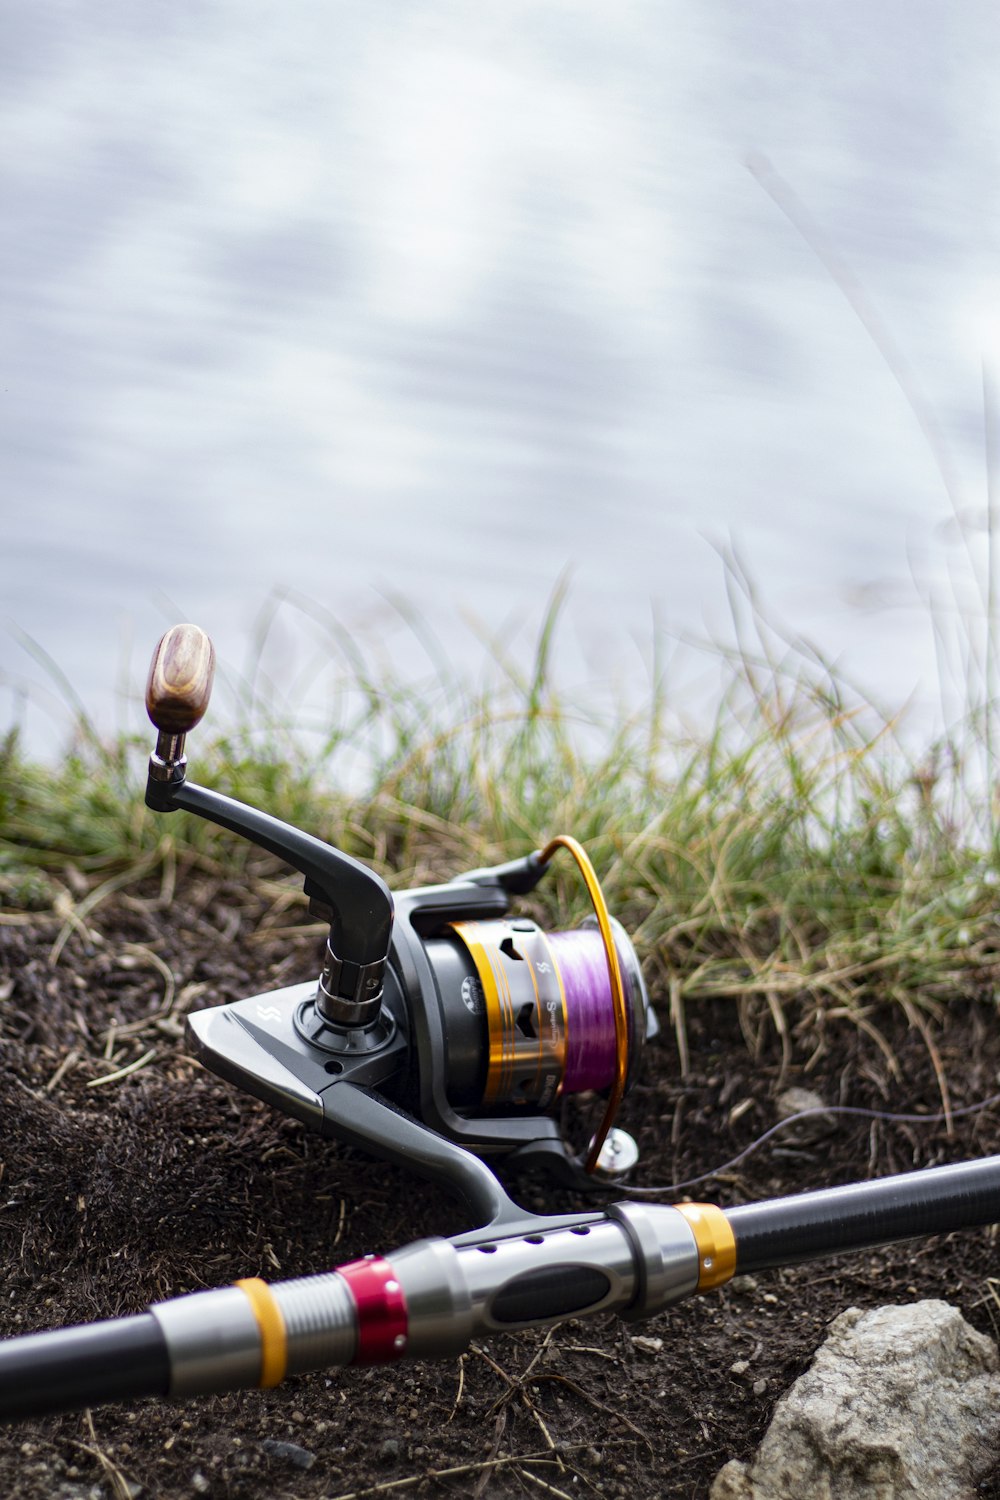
column 441, row 301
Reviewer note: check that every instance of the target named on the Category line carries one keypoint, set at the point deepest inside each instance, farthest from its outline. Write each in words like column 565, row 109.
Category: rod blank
column 787, row 1231
column 67, row 1368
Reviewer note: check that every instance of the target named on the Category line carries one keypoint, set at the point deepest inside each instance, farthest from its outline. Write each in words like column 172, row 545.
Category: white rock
column 900, row 1403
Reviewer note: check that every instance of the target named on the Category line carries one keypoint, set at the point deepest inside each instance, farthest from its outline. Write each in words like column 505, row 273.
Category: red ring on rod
column 383, row 1323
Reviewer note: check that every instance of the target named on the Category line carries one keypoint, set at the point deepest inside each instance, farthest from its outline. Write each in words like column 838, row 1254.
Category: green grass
column 786, row 854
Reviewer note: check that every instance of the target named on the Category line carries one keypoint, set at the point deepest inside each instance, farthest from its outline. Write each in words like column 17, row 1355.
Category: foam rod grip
column 180, row 679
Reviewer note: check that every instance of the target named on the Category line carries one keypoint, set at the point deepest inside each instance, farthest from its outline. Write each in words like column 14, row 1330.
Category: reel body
column 486, row 1023
column 443, row 1030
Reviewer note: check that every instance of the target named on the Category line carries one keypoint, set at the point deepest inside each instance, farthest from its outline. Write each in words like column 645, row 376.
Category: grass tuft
column 786, row 854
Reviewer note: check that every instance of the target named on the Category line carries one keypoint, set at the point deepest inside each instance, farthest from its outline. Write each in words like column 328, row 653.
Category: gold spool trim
column 522, row 1067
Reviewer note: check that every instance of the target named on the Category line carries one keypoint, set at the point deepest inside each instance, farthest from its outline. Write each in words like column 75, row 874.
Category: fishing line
column 817, row 1112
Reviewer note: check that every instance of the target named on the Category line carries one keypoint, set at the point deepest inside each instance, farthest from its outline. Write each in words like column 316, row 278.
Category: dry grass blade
column 120, row 1486
column 126, row 1072
column 550, row 1489
column 456, row 1471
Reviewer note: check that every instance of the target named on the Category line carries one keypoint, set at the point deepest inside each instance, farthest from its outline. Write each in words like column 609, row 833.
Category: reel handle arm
column 354, row 899
column 360, row 902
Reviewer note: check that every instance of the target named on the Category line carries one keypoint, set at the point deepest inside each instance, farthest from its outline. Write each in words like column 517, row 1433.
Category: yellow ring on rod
column 273, row 1335
column 566, row 841
column 716, row 1243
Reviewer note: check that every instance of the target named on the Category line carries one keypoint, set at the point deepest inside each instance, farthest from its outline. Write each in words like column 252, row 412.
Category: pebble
column 739, row 1367
column 300, row 1458
column 743, row 1286
column 647, row 1345
column 759, row 1387
column 199, row 1483
column 389, row 1451
column 795, row 1101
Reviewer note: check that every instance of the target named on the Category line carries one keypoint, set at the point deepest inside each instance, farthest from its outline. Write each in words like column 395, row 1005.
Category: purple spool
column 591, row 1048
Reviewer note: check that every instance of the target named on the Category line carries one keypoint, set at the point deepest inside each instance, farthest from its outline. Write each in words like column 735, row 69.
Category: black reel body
column 443, row 1028
column 485, row 1024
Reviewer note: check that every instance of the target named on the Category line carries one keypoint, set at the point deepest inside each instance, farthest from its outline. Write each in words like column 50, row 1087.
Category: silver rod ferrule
column 320, row 1321
column 213, row 1342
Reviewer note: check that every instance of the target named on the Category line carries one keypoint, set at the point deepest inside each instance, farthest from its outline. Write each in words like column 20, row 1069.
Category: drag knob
column 180, row 679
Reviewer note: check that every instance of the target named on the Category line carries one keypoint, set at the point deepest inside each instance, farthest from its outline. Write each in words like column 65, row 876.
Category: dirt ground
column 166, row 1180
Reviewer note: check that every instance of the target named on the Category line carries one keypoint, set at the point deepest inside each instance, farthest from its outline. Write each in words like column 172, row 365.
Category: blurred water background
column 325, row 306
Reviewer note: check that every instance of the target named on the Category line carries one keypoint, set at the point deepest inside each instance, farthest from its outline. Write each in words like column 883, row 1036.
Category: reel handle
column 180, row 680
column 355, row 901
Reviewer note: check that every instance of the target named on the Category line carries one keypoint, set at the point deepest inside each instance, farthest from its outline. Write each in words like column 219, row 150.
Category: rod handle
column 180, row 679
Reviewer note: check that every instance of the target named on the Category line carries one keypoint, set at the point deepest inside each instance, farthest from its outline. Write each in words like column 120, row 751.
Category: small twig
column 781, row 1027
column 489, row 1360
column 499, row 1428
column 461, row 1387
column 675, row 1125
column 608, row 1411
column 542, row 1485
column 132, row 1067
column 538, row 1353
column 488, row 1464
column 919, row 1023
column 516, row 1386
column 74, row 917
column 139, row 950
column 679, row 1021
column 120, row 1485
column 69, row 1061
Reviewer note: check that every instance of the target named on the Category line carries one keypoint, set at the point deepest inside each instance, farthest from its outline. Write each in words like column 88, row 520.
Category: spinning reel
column 440, row 1019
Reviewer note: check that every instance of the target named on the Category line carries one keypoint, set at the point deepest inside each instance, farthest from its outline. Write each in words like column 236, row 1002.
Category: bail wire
column 566, row 841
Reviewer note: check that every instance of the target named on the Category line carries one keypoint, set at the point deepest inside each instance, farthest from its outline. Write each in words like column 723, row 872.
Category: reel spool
column 564, row 1012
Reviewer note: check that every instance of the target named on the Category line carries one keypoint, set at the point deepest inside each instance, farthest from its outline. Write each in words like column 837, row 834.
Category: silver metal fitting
column 168, row 761
column 597, row 1254
column 320, row 1321
column 213, row 1342
column 357, row 1009
column 438, row 1302
column 666, row 1255
column 619, row 1155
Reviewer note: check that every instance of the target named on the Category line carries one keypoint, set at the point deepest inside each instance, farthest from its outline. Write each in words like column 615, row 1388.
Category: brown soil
column 168, row 1180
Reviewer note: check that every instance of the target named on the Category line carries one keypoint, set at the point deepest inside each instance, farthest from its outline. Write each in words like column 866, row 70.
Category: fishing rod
column 442, row 1033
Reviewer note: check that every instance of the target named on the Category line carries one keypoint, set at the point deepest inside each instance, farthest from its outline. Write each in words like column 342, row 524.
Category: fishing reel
column 444, row 1030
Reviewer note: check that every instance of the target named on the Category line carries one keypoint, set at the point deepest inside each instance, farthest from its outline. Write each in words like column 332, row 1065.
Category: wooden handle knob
column 180, row 679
